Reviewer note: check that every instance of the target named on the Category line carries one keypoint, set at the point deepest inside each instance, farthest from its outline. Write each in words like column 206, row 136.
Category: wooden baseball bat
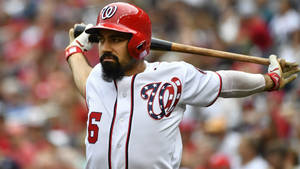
column 163, row 45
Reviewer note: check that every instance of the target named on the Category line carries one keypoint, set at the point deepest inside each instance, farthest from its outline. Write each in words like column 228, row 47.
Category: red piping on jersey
column 201, row 71
column 112, row 128
column 130, row 121
column 221, row 84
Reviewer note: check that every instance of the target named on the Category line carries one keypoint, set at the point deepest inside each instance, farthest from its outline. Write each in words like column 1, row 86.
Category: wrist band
column 276, row 80
column 72, row 50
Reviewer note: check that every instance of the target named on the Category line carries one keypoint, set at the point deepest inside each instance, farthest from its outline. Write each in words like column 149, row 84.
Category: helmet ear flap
column 141, row 46
column 137, row 47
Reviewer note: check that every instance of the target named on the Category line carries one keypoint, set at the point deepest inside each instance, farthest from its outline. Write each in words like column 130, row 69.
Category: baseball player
column 135, row 106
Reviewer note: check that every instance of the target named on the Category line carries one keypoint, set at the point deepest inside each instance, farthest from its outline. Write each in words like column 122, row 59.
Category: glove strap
column 276, row 80
column 72, row 50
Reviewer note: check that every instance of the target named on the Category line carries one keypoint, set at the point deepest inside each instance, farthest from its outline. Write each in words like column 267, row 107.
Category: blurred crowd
column 43, row 117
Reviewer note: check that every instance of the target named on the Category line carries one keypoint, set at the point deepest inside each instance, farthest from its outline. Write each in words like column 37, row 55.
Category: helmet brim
column 109, row 26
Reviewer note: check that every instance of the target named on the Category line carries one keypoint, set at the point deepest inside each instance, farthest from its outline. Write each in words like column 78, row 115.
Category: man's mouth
column 109, row 58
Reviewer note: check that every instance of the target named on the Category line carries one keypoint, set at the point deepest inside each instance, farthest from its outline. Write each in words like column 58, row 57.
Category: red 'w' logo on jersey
column 168, row 97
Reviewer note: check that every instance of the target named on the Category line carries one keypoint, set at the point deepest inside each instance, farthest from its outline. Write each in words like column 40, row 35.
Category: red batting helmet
column 124, row 17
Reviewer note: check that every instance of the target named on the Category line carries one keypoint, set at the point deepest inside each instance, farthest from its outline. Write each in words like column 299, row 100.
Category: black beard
column 111, row 70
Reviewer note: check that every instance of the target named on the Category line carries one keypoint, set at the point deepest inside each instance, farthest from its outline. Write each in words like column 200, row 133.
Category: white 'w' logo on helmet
column 108, row 12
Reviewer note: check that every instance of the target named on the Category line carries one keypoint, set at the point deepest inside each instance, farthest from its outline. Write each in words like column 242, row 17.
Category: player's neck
column 138, row 67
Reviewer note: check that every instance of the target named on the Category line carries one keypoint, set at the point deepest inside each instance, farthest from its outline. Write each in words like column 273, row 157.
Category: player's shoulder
column 164, row 65
column 95, row 73
column 97, row 68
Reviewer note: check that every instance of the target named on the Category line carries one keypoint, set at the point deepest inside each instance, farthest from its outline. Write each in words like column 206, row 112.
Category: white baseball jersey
column 133, row 123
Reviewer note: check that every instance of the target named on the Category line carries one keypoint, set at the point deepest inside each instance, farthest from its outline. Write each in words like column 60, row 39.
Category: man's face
column 114, row 55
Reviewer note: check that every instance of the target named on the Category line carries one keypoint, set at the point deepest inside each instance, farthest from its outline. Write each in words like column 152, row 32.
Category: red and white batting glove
column 274, row 71
column 280, row 78
column 80, row 44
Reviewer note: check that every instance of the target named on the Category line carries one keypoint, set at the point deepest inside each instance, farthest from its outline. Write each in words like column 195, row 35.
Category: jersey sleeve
column 200, row 88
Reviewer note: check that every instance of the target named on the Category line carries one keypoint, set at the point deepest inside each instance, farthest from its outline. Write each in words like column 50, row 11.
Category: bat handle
column 158, row 44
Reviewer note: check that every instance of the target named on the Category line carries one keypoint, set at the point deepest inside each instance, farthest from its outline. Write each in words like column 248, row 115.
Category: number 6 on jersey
column 93, row 128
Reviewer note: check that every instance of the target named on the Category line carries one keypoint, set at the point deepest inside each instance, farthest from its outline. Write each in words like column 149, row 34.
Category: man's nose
column 105, row 47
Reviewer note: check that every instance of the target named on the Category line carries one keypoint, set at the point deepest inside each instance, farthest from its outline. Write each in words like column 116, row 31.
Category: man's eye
column 117, row 39
column 94, row 39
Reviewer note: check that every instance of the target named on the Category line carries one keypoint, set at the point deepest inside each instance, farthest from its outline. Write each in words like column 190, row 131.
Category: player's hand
column 82, row 41
column 279, row 77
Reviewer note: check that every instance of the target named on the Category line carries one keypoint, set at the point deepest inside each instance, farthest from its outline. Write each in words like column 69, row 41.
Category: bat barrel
column 163, row 45
column 218, row 54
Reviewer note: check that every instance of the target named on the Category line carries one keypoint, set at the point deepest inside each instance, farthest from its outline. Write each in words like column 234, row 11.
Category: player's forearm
column 241, row 84
column 80, row 70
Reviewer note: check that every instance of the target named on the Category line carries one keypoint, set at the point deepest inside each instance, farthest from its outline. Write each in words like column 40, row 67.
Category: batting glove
column 279, row 78
column 82, row 41
column 78, row 44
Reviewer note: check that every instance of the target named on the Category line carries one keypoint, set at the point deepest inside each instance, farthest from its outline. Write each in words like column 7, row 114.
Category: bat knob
column 80, row 28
